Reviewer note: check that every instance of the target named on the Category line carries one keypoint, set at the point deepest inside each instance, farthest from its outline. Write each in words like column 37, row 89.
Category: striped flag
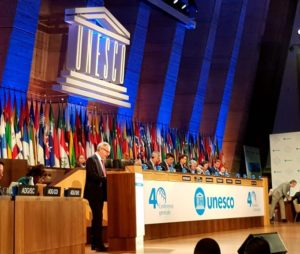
column 63, row 149
column 25, row 143
column 2, row 135
column 40, row 139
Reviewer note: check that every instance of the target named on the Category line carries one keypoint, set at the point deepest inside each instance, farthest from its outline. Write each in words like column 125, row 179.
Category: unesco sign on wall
column 96, row 55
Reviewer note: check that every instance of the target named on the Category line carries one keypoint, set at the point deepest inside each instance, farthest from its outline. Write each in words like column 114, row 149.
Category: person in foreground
column 207, row 246
column 257, row 245
column 278, row 194
column 95, row 192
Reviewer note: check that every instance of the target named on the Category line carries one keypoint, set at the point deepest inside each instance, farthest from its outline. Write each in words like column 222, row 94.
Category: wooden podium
column 125, row 211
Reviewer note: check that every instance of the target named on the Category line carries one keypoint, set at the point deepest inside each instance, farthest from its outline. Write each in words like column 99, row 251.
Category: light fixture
column 183, row 6
column 175, row 1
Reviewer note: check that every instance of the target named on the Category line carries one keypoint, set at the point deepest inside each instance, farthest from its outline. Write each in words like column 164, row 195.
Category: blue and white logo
column 199, row 201
column 202, row 202
column 157, row 197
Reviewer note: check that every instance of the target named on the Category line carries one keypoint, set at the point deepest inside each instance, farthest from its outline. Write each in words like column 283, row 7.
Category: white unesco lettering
column 98, row 55
column 27, row 191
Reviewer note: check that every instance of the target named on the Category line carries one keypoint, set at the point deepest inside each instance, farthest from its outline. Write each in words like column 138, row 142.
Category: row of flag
column 56, row 134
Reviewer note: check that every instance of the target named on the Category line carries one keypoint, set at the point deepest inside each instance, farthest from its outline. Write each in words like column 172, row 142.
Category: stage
column 229, row 241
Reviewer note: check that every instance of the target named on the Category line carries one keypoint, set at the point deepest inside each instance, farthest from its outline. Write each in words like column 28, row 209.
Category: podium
column 125, row 211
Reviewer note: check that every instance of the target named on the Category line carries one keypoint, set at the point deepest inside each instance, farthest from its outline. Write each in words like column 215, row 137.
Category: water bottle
column 30, row 180
column 158, row 168
column 144, row 167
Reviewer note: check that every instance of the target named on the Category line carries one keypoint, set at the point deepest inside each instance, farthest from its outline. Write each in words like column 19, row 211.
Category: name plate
column 238, row 181
column 51, row 191
column 209, row 180
column 253, row 183
column 72, row 192
column 229, row 181
column 186, row 178
column 220, row 180
column 27, row 190
column 198, row 179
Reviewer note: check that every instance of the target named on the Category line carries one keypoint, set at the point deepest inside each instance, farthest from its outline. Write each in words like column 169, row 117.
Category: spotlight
column 175, row 1
column 183, row 6
column 298, row 32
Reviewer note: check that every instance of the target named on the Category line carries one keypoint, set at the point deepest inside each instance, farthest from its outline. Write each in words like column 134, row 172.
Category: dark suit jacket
column 164, row 166
column 179, row 168
column 213, row 170
column 149, row 165
column 95, row 186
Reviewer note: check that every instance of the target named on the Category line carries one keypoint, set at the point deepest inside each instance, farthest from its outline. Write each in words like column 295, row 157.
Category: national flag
column 63, row 149
column 31, row 134
column 16, row 135
column 8, row 115
column 25, row 143
column 40, row 144
column 2, row 134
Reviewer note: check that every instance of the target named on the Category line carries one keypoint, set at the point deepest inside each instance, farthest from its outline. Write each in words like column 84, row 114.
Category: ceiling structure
column 241, row 72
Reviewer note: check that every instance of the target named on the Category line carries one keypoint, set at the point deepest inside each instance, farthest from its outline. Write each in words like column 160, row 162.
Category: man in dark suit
column 154, row 160
column 95, row 192
column 167, row 164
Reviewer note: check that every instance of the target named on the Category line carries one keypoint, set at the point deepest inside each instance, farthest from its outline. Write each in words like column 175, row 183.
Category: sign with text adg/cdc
column 96, row 55
column 178, row 201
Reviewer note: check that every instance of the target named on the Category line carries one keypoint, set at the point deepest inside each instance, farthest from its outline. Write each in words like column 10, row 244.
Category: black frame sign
column 72, row 192
column 51, row 191
column 27, row 190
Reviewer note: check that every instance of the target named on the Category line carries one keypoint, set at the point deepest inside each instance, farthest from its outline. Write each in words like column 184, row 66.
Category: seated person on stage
column 207, row 246
column 257, row 245
column 204, row 168
column 297, row 196
column 167, row 164
column 223, row 171
column 154, row 161
column 80, row 163
column 35, row 174
column 181, row 166
column 278, row 195
column 193, row 169
column 216, row 168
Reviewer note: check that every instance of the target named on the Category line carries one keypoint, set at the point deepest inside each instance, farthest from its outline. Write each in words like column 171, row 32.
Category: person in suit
column 181, row 166
column 95, row 192
column 154, row 160
column 167, row 164
column 215, row 168
column 278, row 194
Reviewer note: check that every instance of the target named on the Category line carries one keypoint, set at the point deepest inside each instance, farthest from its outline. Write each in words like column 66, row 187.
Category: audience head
column 169, row 158
column 37, row 172
column 257, row 245
column 182, row 159
column 103, row 149
column 293, row 183
column 155, row 157
column 207, row 246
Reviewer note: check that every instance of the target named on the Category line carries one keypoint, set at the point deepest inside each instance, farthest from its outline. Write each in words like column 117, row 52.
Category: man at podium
column 95, row 192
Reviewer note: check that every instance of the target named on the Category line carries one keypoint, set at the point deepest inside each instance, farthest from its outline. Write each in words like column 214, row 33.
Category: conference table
column 145, row 205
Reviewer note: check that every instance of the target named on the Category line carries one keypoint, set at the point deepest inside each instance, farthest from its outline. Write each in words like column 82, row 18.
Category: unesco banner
column 96, row 55
column 285, row 158
column 166, row 201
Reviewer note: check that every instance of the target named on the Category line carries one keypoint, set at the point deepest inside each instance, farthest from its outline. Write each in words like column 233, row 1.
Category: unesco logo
column 199, row 201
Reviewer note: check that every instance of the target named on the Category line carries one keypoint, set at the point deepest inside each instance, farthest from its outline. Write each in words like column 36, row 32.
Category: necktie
column 103, row 168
